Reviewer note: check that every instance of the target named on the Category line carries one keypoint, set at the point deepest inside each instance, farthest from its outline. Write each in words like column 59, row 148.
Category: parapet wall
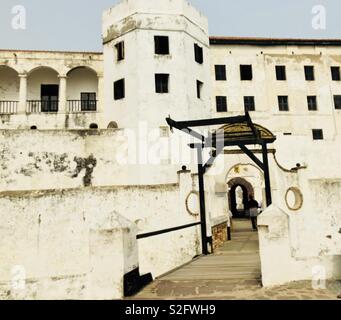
column 79, row 243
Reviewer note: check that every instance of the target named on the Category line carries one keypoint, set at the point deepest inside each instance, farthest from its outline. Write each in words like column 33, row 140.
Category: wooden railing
column 8, row 107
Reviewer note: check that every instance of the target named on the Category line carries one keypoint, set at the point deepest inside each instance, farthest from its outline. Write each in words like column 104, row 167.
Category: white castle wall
column 79, row 243
column 136, row 23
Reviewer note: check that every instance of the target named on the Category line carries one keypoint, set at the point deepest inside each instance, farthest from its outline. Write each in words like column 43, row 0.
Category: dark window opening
column 161, row 45
column 162, row 83
column 246, row 72
column 281, row 73
column 199, row 54
column 336, row 76
column 88, row 101
column 337, row 102
column 120, row 51
column 249, row 103
column 93, row 126
column 119, row 89
column 199, row 89
column 220, row 72
column 221, row 103
column 318, row 134
column 34, row 128
column 49, row 98
column 312, row 103
column 309, row 73
column 283, row 103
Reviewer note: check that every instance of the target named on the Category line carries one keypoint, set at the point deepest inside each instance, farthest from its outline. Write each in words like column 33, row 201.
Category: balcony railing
column 8, row 107
column 75, row 106
column 38, row 106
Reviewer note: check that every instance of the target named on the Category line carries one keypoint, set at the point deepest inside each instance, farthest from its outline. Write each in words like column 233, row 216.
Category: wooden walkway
column 236, row 264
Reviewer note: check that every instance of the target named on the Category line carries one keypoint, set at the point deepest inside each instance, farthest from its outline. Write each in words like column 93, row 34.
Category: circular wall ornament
column 294, row 199
column 192, row 203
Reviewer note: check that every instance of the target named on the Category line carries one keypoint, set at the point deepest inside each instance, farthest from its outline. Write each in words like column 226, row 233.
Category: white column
column 100, row 93
column 62, row 94
column 22, row 93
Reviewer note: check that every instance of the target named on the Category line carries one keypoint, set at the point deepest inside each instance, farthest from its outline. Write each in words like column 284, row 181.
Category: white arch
column 29, row 73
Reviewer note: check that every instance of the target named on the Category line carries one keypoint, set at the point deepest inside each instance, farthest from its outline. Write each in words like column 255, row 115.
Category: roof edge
column 52, row 51
column 216, row 40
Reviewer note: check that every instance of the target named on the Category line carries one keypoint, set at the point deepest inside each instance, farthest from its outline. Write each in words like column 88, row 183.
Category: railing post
column 22, row 93
column 62, row 94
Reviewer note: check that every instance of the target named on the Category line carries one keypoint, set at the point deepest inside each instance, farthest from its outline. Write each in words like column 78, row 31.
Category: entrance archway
column 240, row 189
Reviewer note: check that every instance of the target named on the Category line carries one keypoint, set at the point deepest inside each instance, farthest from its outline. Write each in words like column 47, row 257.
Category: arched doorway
column 239, row 192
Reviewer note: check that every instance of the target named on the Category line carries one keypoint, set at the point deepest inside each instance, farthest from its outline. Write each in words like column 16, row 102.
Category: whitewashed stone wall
column 53, row 159
column 136, row 23
column 78, row 243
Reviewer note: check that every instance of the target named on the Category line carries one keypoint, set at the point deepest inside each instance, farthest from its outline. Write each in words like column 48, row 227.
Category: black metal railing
column 38, row 106
column 159, row 232
column 75, row 106
column 8, row 107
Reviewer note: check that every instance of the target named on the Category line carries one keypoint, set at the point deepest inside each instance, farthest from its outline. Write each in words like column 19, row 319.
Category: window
column 161, row 83
column 161, row 45
column 281, row 73
column 337, row 102
column 309, row 73
column 220, row 72
column 120, row 51
column 317, row 134
column 199, row 88
column 249, row 103
column 336, row 73
column 312, row 103
column 88, row 101
column 283, row 103
column 119, row 89
column 49, row 97
column 246, row 72
column 198, row 54
column 221, row 103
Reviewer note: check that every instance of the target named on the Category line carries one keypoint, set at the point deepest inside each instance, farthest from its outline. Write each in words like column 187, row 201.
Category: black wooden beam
column 205, row 122
column 251, row 155
column 252, row 126
column 267, row 175
column 228, row 143
column 201, row 173
column 210, row 161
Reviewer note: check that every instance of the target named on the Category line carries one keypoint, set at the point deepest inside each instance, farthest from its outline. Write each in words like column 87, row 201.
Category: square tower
column 156, row 62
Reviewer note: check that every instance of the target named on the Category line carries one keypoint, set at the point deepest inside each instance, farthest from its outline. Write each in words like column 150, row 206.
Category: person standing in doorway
column 253, row 210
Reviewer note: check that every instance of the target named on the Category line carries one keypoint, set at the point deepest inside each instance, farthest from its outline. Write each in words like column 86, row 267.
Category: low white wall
column 279, row 259
column 76, row 244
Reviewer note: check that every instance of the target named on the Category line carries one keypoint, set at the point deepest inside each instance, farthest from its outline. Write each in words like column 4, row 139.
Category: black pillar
column 201, row 173
column 266, row 175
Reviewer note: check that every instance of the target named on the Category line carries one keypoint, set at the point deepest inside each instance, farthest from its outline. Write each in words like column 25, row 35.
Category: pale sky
column 76, row 24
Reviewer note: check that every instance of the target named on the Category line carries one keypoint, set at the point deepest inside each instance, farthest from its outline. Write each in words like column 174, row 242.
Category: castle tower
column 156, row 62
